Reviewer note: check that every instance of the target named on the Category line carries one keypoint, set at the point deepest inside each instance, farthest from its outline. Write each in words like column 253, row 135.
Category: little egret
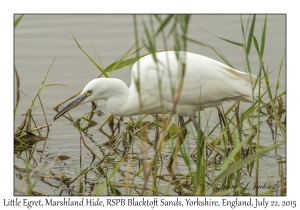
column 155, row 81
column 158, row 81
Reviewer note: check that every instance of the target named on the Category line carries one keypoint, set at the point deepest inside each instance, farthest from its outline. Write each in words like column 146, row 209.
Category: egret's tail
column 246, row 84
column 253, row 88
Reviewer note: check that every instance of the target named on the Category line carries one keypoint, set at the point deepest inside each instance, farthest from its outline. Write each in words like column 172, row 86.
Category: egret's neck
column 117, row 99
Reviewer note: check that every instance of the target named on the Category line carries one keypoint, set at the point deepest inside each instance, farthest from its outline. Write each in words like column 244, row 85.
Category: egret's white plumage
column 155, row 81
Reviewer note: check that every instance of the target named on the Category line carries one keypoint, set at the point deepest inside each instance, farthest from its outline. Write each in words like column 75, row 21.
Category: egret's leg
column 193, row 118
column 178, row 144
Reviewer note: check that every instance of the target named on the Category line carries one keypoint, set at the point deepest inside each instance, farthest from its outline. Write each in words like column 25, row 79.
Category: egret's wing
column 205, row 77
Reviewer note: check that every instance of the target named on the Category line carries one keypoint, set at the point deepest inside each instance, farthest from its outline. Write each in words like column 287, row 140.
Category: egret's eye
column 90, row 92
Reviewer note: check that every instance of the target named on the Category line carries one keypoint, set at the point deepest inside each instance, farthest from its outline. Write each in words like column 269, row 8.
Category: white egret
column 155, row 81
column 157, row 78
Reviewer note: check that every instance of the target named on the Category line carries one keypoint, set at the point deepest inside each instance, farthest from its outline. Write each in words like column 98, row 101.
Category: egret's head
column 88, row 94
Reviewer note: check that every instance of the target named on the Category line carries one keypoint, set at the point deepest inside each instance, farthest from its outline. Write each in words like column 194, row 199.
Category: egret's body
column 154, row 85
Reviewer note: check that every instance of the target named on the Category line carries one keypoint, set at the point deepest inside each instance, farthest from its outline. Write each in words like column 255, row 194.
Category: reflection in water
column 127, row 154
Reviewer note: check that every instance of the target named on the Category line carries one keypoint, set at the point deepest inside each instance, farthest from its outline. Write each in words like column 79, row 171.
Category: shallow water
column 39, row 38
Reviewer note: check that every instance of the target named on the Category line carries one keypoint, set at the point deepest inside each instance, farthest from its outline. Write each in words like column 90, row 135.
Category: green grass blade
column 244, row 162
column 17, row 82
column 184, row 23
column 150, row 42
column 122, row 63
column 97, row 56
column 250, row 35
column 226, row 40
column 247, row 113
column 99, row 188
column 242, row 26
column 263, row 37
column 256, row 45
column 278, row 78
column 282, row 93
column 195, row 41
column 47, row 85
column 98, row 67
column 18, row 20
column 236, row 149
column 163, row 24
column 143, row 168
column 222, row 57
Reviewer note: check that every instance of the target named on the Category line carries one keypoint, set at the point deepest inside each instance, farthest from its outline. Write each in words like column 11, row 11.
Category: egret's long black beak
column 78, row 100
